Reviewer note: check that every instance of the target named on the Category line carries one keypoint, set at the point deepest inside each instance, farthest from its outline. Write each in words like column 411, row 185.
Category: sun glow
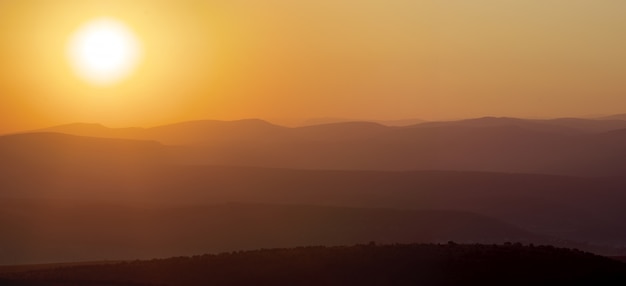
column 104, row 51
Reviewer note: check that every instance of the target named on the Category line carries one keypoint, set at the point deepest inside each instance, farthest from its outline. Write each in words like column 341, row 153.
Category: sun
column 104, row 51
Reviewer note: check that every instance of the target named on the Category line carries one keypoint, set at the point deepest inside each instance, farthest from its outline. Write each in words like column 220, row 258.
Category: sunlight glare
column 104, row 51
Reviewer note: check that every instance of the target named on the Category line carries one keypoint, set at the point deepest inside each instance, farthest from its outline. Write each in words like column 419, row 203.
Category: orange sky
column 287, row 60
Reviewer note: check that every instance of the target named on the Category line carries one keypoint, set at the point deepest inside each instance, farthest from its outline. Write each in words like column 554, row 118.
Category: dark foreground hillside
column 412, row 264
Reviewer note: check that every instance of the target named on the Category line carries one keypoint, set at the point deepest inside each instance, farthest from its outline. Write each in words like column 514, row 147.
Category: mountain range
column 566, row 146
column 555, row 181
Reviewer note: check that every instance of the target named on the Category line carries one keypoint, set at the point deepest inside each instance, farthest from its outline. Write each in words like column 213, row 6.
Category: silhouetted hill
column 566, row 146
column 38, row 231
column 620, row 258
column 413, row 264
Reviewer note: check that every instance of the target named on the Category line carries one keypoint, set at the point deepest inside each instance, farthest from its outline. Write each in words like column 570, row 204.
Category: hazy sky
column 289, row 60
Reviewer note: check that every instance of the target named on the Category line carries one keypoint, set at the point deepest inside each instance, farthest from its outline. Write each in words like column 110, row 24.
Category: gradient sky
column 286, row 60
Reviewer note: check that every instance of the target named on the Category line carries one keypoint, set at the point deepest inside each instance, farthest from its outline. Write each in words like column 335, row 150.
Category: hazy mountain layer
column 580, row 209
column 171, row 169
column 566, row 146
column 36, row 231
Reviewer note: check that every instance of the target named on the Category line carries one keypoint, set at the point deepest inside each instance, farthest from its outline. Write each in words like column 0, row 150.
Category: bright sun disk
column 104, row 51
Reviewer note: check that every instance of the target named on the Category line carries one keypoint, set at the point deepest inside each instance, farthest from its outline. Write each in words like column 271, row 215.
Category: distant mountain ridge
column 557, row 146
